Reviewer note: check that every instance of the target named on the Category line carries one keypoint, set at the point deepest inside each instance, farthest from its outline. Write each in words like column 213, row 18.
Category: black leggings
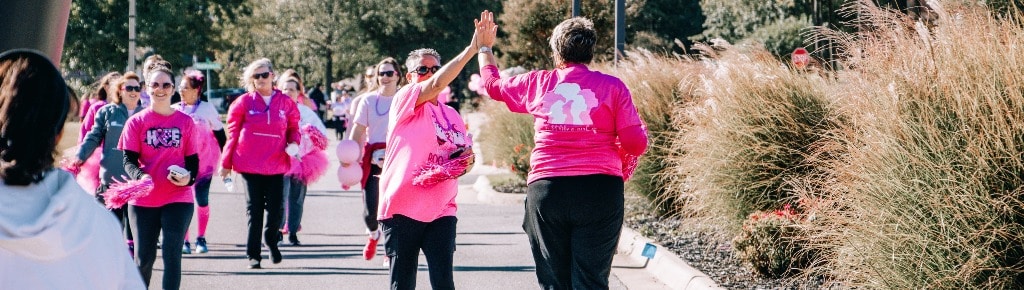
column 173, row 219
column 574, row 223
column 371, row 197
column 265, row 192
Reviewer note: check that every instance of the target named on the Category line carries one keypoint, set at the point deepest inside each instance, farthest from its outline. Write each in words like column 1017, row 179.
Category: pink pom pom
column 629, row 162
column 316, row 138
column 350, row 175
column 121, row 193
column 437, row 169
column 347, row 151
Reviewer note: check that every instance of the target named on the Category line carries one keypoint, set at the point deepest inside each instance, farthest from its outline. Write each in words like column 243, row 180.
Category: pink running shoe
column 370, row 250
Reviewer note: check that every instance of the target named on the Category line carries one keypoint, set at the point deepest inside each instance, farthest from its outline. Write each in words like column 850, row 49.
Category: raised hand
column 486, row 30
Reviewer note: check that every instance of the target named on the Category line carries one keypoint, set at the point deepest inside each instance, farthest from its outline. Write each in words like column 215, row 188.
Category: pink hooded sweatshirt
column 258, row 134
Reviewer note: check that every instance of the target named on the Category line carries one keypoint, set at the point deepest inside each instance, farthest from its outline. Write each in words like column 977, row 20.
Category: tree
column 97, row 37
column 650, row 24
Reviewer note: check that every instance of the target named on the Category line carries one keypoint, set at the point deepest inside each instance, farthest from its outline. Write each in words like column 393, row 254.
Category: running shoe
column 186, row 248
column 370, row 250
column 201, row 245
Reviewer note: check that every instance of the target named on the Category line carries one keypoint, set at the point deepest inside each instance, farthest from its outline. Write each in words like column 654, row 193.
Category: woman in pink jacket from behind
column 261, row 125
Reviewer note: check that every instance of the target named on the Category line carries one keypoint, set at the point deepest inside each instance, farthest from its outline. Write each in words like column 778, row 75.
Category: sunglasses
column 156, row 85
column 133, row 88
column 389, row 73
column 423, row 70
column 261, row 75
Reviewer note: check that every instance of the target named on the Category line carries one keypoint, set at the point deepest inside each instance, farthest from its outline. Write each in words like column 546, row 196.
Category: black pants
column 371, row 197
column 295, row 197
column 265, row 192
column 405, row 237
column 121, row 213
column 173, row 219
column 574, row 224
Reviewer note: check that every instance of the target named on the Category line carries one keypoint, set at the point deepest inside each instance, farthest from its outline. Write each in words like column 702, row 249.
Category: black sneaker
column 294, row 239
column 275, row 255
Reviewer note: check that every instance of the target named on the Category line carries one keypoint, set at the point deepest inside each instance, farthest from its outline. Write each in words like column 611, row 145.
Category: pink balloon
column 350, row 175
column 347, row 151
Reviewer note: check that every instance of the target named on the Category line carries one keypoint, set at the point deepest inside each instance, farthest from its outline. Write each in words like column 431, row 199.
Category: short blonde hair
column 251, row 68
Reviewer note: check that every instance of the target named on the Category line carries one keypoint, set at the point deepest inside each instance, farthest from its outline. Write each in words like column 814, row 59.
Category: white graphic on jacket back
column 163, row 137
column 567, row 104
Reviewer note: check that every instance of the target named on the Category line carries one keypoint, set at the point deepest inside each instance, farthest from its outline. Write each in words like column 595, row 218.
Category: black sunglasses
column 261, row 75
column 423, row 70
column 133, row 88
column 389, row 73
column 156, row 85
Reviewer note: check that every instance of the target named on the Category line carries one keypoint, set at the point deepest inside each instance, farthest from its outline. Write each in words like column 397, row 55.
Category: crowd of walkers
column 151, row 129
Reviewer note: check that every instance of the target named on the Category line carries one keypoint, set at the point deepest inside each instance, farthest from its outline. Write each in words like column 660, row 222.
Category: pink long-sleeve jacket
column 258, row 134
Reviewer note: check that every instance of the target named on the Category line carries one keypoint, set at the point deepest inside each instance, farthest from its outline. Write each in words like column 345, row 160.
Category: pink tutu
column 313, row 161
column 88, row 176
column 208, row 149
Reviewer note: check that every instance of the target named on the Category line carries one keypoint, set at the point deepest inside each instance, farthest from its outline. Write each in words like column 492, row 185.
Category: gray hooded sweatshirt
column 53, row 235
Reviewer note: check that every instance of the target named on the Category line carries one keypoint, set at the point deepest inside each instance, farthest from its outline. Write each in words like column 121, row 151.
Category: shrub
column 751, row 136
column 929, row 193
column 654, row 82
column 771, row 241
column 507, row 138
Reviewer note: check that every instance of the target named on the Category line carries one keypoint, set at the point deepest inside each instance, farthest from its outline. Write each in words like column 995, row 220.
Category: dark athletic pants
column 295, row 197
column 573, row 223
column 371, row 197
column 265, row 192
column 405, row 237
column 173, row 219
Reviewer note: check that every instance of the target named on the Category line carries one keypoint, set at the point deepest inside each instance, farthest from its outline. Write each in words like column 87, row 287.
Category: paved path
column 492, row 251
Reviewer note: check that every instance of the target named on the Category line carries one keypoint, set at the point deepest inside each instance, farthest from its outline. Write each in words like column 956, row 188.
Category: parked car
column 222, row 98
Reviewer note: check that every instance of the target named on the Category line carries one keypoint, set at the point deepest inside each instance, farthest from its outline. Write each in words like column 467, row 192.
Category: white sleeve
column 361, row 115
column 212, row 117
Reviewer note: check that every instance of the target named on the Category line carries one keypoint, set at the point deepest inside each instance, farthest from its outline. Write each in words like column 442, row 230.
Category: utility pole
column 620, row 29
column 131, row 35
column 576, row 8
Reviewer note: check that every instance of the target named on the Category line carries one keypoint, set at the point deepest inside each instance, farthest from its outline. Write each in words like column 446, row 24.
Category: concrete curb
column 485, row 193
column 666, row 266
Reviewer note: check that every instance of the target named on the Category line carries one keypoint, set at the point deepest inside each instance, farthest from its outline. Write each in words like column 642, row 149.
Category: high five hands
column 486, row 30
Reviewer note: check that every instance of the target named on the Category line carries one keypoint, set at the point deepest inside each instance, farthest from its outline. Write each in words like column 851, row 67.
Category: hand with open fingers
column 486, row 30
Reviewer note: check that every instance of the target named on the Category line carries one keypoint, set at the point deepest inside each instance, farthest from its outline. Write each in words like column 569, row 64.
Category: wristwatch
column 484, row 49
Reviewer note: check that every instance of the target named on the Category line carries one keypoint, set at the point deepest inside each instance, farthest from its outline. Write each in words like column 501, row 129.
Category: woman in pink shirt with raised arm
column 418, row 182
column 262, row 125
column 586, row 130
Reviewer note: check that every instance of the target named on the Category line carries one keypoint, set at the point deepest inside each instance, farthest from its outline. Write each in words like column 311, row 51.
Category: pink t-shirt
column 161, row 141
column 578, row 115
column 416, row 134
